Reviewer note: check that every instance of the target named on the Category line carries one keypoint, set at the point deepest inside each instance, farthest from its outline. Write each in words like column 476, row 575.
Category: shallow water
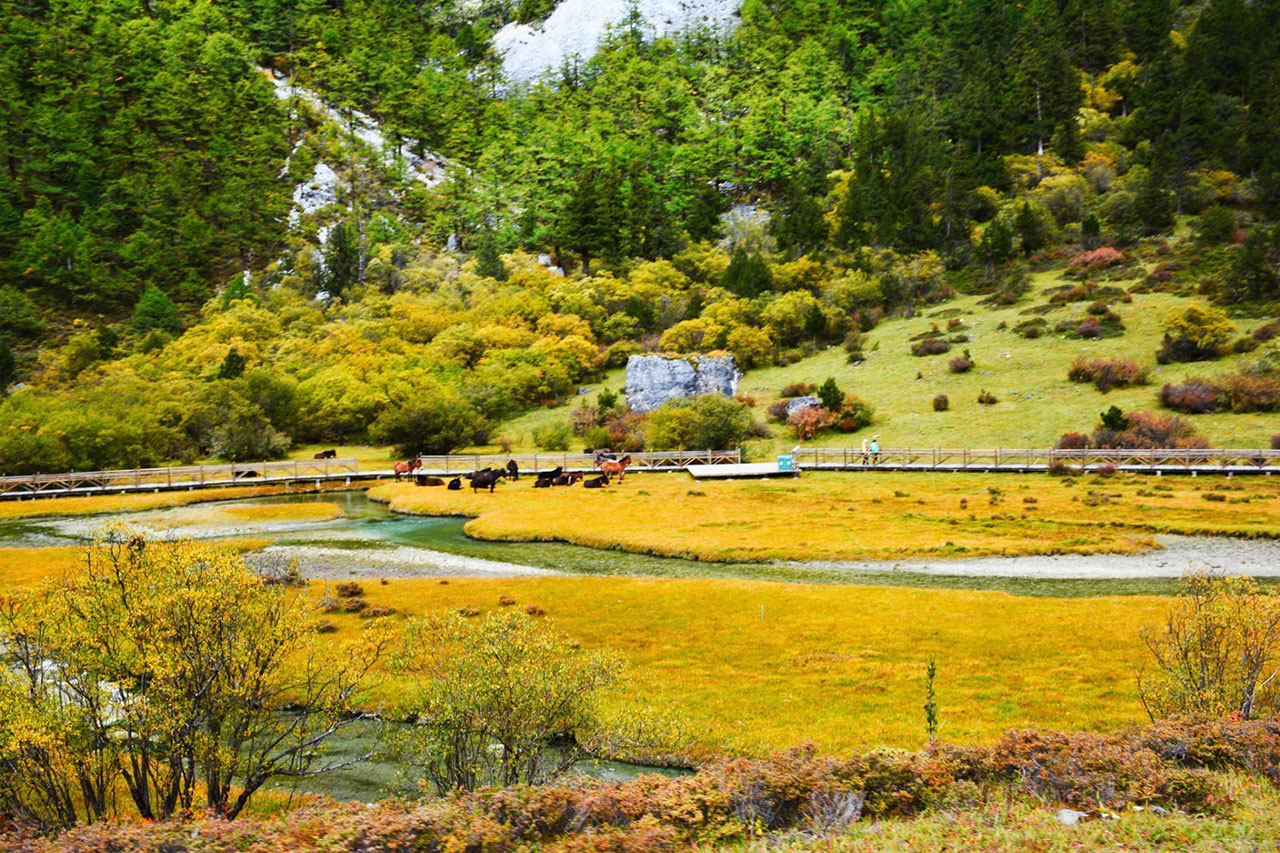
column 370, row 541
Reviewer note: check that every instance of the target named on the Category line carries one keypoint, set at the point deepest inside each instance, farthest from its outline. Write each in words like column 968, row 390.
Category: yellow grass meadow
column 858, row 516
column 749, row 666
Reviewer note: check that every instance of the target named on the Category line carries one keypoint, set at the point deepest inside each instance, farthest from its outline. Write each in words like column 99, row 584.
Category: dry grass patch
column 853, row 516
column 842, row 666
column 138, row 502
column 25, row 567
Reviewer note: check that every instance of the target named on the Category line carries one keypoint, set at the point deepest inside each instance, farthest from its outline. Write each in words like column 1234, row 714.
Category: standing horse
column 402, row 468
column 513, row 470
column 610, row 467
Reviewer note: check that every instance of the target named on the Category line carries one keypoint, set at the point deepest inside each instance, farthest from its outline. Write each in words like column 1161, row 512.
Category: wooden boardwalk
column 319, row 471
column 347, row 471
column 1158, row 462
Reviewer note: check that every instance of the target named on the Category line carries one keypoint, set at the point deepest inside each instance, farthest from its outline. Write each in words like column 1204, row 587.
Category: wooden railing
column 654, row 460
column 180, row 476
column 1030, row 459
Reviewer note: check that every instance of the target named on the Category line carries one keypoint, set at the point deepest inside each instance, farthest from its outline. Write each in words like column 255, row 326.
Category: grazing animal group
column 488, row 478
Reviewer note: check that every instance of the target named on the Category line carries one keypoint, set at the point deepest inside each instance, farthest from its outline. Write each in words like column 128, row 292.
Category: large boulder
column 799, row 404
column 654, row 379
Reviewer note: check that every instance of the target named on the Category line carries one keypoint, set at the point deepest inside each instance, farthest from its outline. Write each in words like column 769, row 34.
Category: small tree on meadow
column 830, row 394
column 1218, row 651
column 492, row 696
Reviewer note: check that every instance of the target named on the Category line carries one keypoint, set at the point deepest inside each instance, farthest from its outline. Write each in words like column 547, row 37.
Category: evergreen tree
column 232, row 365
column 342, row 259
column 155, row 311
column 8, row 366
column 747, row 275
column 488, row 261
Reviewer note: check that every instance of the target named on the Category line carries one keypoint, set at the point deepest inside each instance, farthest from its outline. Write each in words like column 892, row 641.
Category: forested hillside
column 228, row 228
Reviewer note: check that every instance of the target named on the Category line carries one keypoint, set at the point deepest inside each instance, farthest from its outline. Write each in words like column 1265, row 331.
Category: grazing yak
column 597, row 482
column 486, row 479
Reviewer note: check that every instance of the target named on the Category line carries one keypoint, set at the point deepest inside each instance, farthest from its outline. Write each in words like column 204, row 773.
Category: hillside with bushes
column 231, row 230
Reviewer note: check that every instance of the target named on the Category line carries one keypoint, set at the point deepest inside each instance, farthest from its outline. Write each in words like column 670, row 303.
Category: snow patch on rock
column 315, row 195
column 576, row 27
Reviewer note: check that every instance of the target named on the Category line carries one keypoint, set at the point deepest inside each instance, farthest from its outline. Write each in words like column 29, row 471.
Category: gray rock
column 583, row 390
column 799, row 404
column 1069, row 817
column 654, row 379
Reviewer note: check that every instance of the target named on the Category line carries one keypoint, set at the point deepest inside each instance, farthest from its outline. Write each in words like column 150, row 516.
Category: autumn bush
column 1073, row 441
column 960, row 364
column 1192, row 397
column 809, row 421
column 930, row 346
column 1168, row 764
column 1148, row 431
column 1108, row 373
column 941, row 403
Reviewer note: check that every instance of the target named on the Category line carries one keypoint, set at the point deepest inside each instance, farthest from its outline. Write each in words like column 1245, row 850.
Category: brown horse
column 402, row 468
column 610, row 467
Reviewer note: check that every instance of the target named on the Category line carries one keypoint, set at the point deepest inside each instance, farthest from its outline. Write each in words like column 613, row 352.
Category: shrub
column 705, row 421
column 798, row 389
column 807, row 423
column 1106, row 469
column 1248, row 391
column 960, row 364
column 1097, row 259
column 348, row 589
column 1275, row 441
column 535, row 610
column 941, row 403
column 1089, row 328
column 325, row 626
column 1216, row 225
column 778, row 411
column 1146, row 431
column 1073, row 441
column 986, row 398
column 505, row 601
column 1264, row 333
column 554, row 437
column 854, row 415
column 930, row 346
column 1193, row 397
column 377, row 611
column 853, row 342
column 1194, row 333
column 1108, row 373
column 354, row 605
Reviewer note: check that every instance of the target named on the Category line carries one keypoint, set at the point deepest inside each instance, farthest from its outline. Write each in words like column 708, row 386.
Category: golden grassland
column 858, row 516
column 138, row 502
column 749, row 666
column 277, row 512
column 26, row 567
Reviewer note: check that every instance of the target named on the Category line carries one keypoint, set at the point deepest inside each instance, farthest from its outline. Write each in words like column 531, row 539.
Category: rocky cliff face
column 654, row 379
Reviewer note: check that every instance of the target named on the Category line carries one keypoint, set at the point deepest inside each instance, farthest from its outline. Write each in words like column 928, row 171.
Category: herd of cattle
column 488, row 478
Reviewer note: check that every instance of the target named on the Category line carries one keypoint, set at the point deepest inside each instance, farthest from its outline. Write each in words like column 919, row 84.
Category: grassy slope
column 856, row 516
column 1037, row 403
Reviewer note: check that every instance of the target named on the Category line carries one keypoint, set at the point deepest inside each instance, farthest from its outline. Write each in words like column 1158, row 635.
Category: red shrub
column 808, row 422
column 1193, row 397
column 1073, row 441
column 778, row 411
column 1275, row 441
column 1098, row 258
column 1089, row 328
column 930, row 346
column 1108, row 373
column 1251, row 392
column 798, row 389
column 960, row 364
column 941, row 403
column 1148, row 431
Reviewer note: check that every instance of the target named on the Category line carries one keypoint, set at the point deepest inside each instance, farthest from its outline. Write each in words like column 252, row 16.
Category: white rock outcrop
column 654, row 379
column 576, row 27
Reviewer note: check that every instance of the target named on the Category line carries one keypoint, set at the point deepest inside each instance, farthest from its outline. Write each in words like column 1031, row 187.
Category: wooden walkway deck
column 727, row 462
column 1158, row 462
column 293, row 472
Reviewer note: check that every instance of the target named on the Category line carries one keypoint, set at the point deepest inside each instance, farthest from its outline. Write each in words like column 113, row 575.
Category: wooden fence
column 652, row 460
column 1032, row 459
column 179, row 477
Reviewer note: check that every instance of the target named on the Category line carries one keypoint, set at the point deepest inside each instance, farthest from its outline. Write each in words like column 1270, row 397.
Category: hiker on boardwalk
column 866, row 450
column 875, row 449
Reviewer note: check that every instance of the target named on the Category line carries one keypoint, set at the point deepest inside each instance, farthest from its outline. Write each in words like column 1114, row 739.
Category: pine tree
column 155, row 311
column 746, row 275
column 488, row 261
column 341, row 259
column 232, row 365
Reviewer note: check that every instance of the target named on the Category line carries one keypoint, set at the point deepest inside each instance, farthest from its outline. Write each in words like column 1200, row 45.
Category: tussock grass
column 835, row 516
